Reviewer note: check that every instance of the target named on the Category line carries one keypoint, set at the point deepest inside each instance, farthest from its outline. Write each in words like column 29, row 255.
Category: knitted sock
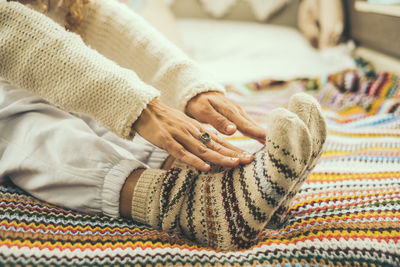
column 309, row 111
column 227, row 210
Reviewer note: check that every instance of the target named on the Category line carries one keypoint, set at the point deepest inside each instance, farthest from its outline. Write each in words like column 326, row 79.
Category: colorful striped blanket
column 347, row 213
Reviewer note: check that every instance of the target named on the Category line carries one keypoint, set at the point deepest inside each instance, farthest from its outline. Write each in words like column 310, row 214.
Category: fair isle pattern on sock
column 158, row 196
column 228, row 210
column 307, row 108
column 174, row 188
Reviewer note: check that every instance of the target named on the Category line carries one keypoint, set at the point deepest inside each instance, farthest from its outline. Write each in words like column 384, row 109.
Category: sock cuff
column 146, row 195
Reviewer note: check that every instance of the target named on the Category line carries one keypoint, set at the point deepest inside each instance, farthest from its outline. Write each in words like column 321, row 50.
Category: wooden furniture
column 374, row 26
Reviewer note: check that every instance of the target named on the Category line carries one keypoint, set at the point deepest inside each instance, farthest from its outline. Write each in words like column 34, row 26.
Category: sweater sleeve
column 125, row 37
column 39, row 55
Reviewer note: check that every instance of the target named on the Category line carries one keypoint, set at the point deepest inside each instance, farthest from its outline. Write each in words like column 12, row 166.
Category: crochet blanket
column 347, row 213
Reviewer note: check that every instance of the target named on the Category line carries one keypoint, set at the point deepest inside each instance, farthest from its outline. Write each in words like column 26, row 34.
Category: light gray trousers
column 63, row 158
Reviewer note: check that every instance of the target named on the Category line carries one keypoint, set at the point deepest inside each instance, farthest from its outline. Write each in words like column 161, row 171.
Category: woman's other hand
column 178, row 134
column 225, row 115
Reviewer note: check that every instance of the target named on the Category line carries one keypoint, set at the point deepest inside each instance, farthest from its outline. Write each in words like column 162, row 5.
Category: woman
column 128, row 78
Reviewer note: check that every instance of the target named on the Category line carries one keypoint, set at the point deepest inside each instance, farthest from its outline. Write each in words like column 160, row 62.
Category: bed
column 346, row 214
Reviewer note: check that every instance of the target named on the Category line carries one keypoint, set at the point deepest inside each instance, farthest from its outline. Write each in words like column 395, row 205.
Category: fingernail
column 234, row 159
column 230, row 128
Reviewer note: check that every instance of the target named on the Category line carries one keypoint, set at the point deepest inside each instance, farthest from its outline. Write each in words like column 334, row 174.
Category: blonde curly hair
column 75, row 11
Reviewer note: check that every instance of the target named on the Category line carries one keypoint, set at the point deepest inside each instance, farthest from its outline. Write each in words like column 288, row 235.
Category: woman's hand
column 225, row 115
column 178, row 134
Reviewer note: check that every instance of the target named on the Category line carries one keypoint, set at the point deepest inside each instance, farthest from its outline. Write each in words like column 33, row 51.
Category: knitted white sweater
column 114, row 83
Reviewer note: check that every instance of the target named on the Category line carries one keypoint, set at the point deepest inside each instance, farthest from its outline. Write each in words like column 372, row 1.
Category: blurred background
column 248, row 40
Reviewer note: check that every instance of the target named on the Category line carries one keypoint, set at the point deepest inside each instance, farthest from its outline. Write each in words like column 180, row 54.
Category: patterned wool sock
column 229, row 209
column 309, row 111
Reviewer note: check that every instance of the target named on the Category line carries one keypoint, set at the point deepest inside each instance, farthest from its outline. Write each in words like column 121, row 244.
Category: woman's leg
column 127, row 193
column 57, row 157
column 130, row 184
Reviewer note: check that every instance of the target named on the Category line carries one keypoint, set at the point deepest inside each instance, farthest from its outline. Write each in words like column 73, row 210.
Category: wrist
column 149, row 109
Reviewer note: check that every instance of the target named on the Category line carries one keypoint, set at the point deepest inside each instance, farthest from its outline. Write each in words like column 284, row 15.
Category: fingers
column 211, row 152
column 221, row 123
column 223, row 147
column 224, row 115
column 261, row 132
column 190, row 150
column 180, row 153
column 178, row 134
column 185, row 146
column 208, row 114
column 243, row 122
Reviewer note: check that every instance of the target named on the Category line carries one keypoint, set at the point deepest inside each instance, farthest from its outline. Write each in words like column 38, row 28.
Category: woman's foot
column 309, row 111
column 229, row 209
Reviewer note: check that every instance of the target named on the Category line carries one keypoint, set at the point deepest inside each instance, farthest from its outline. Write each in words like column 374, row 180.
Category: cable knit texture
column 41, row 56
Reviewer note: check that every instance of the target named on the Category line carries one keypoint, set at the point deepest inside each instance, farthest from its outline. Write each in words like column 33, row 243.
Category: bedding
column 346, row 214
column 239, row 52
